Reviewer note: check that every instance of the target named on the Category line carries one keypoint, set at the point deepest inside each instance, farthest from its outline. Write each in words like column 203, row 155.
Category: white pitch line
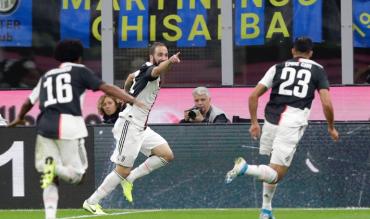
column 248, row 146
column 311, row 166
column 366, row 127
column 117, row 213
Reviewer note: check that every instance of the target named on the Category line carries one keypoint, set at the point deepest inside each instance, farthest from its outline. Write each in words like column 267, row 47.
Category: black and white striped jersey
column 61, row 94
column 293, row 84
column 145, row 88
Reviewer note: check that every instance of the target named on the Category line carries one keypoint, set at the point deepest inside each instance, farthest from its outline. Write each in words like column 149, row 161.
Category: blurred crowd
column 18, row 73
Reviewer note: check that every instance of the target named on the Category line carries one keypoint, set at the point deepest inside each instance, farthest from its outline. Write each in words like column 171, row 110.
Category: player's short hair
column 303, row 44
column 155, row 45
column 201, row 91
column 68, row 50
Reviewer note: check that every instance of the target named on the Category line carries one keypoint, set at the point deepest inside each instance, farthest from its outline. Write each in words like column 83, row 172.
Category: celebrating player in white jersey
column 293, row 84
column 60, row 150
column 132, row 134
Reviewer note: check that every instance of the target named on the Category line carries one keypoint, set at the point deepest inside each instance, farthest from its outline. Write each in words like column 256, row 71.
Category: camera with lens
column 193, row 113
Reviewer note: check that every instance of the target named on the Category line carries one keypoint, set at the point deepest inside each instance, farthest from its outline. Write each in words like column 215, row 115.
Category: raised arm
column 328, row 112
column 165, row 66
column 129, row 81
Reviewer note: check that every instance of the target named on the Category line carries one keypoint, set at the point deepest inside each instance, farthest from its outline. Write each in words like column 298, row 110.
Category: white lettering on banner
column 15, row 155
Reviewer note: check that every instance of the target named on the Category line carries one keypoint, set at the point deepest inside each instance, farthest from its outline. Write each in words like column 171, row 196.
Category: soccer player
column 60, row 152
column 132, row 134
column 293, row 84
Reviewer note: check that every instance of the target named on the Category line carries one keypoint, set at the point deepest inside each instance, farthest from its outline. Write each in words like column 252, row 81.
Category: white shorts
column 64, row 152
column 132, row 139
column 280, row 142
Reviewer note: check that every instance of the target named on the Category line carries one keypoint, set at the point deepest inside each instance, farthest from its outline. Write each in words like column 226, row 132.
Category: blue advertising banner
column 307, row 19
column 75, row 23
column 249, row 22
column 16, row 23
column 361, row 23
column 194, row 28
column 133, row 24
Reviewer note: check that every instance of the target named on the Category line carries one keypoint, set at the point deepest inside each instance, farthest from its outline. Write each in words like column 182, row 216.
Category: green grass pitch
column 280, row 213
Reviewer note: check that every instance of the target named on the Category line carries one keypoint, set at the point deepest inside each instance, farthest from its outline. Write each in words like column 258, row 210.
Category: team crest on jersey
column 287, row 158
column 121, row 158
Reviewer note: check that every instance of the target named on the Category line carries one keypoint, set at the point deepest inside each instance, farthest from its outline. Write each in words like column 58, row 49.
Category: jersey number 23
column 289, row 75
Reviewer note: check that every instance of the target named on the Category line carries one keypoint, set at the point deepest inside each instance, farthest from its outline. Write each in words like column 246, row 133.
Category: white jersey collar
column 65, row 64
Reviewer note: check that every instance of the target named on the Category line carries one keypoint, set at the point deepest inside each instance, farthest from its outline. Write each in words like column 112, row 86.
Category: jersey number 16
column 63, row 89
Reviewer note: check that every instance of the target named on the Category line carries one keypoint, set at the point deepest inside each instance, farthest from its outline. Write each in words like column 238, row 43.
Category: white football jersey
column 145, row 88
column 293, row 84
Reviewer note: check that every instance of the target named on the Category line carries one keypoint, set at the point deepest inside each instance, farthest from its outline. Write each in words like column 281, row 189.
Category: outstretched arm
column 165, row 66
column 258, row 91
column 120, row 94
column 328, row 112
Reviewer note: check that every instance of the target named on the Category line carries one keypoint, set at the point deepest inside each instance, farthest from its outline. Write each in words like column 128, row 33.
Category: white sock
column 50, row 197
column 267, row 195
column 262, row 172
column 68, row 174
column 148, row 166
column 109, row 184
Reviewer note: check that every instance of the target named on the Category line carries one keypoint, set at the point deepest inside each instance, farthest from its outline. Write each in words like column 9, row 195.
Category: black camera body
column 193, row 112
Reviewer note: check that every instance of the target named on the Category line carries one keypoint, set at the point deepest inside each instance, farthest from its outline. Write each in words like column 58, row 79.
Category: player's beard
column 156, row 63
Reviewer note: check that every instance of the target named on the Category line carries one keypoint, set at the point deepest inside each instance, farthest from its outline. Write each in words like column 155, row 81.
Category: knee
column 169, row 156
column 280, row 176
column 77, row 179
column 123, row 171
column 39, row 166
column 277, row 180
column 281, row 171
column 82, row 180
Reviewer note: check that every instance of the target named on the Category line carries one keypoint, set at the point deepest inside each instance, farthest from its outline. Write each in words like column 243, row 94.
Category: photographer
column 203, row 111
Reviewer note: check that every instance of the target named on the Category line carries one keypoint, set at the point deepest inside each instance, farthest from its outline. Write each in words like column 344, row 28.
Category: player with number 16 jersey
column 61, row 93
column 60, row 149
